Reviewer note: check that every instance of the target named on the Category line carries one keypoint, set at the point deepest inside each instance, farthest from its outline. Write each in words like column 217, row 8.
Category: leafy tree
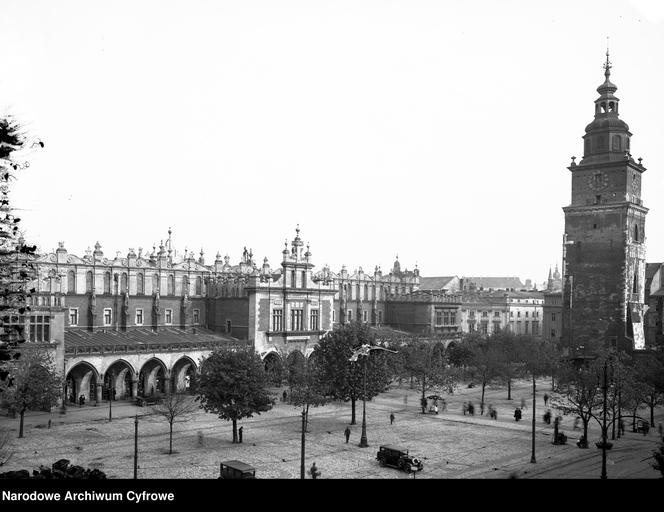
column 512, row 350
column 485, row 362
column 175, row 407
column 233, row 385
column 343, row 379
column 427, row 362
column 32, row 383
column 16, row 270
column 649, row 369
column 306, row 390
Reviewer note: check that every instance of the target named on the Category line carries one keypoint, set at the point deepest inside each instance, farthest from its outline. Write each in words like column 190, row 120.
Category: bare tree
column 175, row 407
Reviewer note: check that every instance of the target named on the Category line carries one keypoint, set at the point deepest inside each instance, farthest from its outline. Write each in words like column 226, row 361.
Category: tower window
column 611, row 106
column 634, row 288
column 598, row 199
column 636, row 232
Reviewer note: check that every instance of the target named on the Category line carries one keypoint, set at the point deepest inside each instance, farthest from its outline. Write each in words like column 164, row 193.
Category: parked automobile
column 235, row 469
column 396, row 457
column 142, row 401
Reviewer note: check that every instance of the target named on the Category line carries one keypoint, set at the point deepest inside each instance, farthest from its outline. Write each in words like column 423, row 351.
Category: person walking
column 517, row 414
column 546, row 399
column 471, row 409
column 284, row 396
column 239, row 431
column 314, row 472
column 391, row 418
column 347, row 433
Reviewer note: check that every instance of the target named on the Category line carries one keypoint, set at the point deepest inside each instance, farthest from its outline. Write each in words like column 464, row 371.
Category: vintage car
column 396, row 457
column 142, row 401
column 234, row 469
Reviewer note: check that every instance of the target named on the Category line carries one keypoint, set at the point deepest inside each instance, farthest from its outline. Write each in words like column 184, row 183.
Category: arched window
column 140, row 284
column 88, row 281
column 635, row 287
column 171, row 285
column 636, row 232
column 199, row 285
column 155, row 283
column 107, row 282
column 616, row 143
column 366, row 292
column 123, row 283
column 71, row 282
column 304, row 279
column 185, row 285
column 116, row 283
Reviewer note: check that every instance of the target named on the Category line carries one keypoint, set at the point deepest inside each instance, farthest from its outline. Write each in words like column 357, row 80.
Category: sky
column 437, row 131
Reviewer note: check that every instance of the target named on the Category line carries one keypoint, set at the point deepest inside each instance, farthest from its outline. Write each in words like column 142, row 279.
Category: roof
column 494, row 282
column 651, row 269
column 144, row 337
column 239, row 465
column 435, row 283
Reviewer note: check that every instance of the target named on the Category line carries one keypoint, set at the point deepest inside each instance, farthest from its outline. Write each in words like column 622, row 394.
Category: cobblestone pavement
column 452, row 445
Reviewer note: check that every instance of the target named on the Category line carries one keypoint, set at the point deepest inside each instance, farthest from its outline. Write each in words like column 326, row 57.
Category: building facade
column 604, row 240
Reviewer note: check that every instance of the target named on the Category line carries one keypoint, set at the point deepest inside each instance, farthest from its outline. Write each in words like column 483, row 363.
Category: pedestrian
column 547, row 417
column 391, row 418
column 546, row 399
column 621, row 427
column 517, row 414
column 49, row 423
column 471, row 409
column 314, row 472
column 284, row 396
column 240, row 433
column 81, row 401
column 465, row 408
column 347, row 433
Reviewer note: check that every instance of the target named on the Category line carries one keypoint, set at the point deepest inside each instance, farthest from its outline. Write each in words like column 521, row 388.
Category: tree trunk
column 306, row 419
column 613, row 421
column 423, row 400
column 482, row 401
column 509, row 388
column 20, row 428
column 234, row 430
column 585, row 427
column 170, row 442
column 634, row 420
column 352, row 409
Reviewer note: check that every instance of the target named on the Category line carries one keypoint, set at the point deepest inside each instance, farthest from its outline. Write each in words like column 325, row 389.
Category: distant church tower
column 604, row 241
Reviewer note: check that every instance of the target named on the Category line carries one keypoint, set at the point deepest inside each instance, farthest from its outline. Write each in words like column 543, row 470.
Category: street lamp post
column 302, row 450
column 363, row 440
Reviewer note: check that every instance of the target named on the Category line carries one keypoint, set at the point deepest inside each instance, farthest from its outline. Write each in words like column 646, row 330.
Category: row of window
column 296, row 320
column 38, row 327
column 138, row 318
column 120, row 282
column 445, row 317
column 378, row 292
column 518, row 314
column 484, row 327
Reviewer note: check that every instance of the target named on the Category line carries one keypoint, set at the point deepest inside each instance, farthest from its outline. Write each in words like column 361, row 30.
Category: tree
column 343, row 379
column 426, row 361
column 305, row 385
column 175, row 407
column 233, row 385
column 649, row 369
column 16, row 269
column 512, row 350
column 485, row 362
column 32, row 383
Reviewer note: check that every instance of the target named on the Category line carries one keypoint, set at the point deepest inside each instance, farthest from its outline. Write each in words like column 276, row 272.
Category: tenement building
column 604, row 240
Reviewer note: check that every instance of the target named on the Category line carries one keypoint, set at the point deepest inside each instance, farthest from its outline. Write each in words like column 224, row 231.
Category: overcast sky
column 438, row 131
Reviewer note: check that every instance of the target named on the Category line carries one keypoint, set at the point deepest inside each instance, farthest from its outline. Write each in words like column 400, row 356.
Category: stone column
column 167, row 382
column 100, row 385
column 134, row 386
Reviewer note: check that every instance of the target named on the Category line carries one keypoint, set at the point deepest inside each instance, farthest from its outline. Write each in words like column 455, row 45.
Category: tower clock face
column 598, row 181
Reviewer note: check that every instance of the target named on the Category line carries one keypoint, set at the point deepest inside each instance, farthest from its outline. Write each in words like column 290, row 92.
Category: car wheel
column 406, row 468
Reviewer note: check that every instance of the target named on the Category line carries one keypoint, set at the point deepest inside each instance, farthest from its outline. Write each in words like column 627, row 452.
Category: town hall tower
column 604, row 240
